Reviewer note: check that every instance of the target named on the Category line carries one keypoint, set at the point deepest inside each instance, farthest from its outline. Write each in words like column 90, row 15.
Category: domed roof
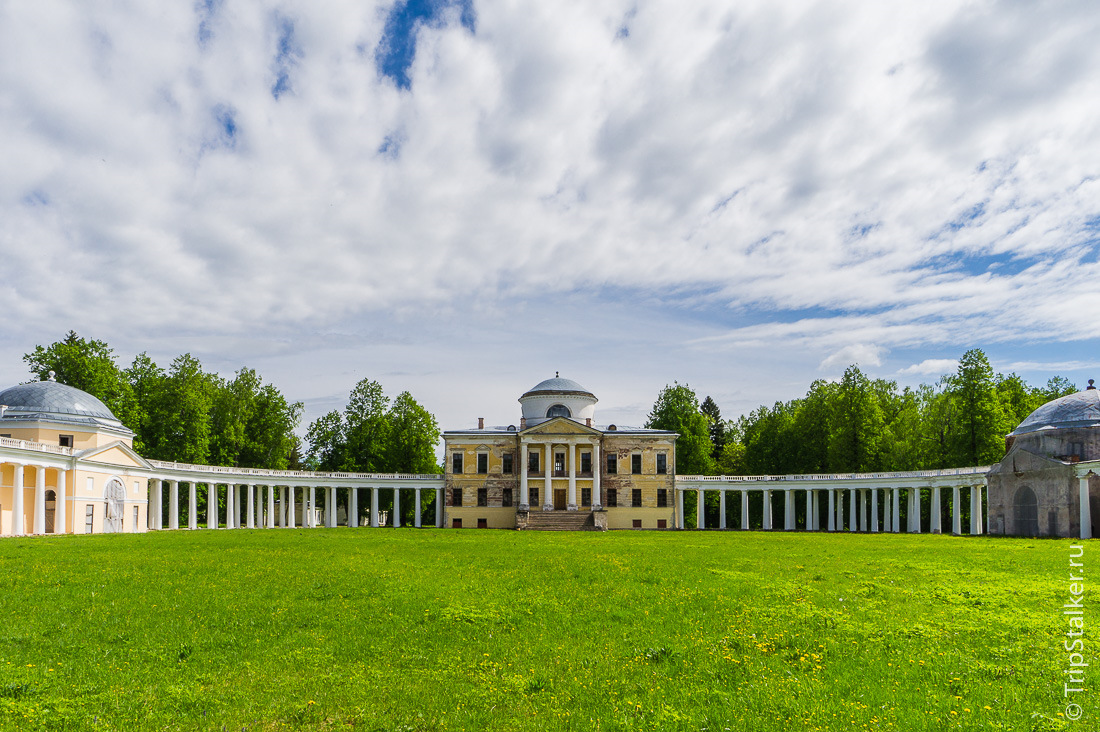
column 558, row 385
column 48, row 397
column 1075, row 410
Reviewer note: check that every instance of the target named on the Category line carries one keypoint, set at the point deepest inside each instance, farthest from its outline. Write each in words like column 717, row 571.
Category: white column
column 229, row 507
column 597, row 466
column 18, row 525
column 840, row 510
column 282, row 507
column 292, row 507
column 680, row 509
column 571, row 458
column 722, row 508
column 700, row 514
column 416, row 523
column 1084, row 508
column 744, row 510
column 332, row 508
column 250, row 507
column 270, row 506
column 311, row 519
column 864, row 517
column 788, row 510
column 853, row 516
column 832, row 510
column 237, row 501
column 158, row 507
column 895, row 523
column 40, row 500
column 211, row 506
column 935, row 517
column 548, row 491
column 524, row 503
column 439, row 508
column 956, row 513
column 874, row 510
column 767, row 510
column 397, row 508
column 353, row 507
column 976, row 510
column 192, row 507
column 150, row 515
column 886, row 510
column 809, row 509
column 981, row 512
column 59, row 517
column 916, row 511
column 374, row 508
column 174, row 504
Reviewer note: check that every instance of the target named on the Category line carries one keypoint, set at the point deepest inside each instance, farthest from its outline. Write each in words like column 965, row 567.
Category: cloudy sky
column 460, row 198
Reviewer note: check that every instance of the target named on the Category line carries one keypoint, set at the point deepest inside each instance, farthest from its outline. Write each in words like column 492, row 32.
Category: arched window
column 1025, row 509
column 558, row 410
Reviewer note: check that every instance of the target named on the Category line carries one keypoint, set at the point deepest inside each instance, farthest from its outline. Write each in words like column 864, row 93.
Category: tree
column 979, row 439
column 179, row 413
column 252, row 423
column 328, row 444
column 413, row 434
column 366, row 426
column 856, row 425
column 717, row 427
column 677, row 410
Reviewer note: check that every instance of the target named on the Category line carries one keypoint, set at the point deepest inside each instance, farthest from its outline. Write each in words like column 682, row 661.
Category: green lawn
column 470, row 630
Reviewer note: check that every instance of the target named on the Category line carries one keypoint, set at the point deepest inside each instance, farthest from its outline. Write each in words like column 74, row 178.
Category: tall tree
column 979, row 439
column 857, row 423
column 717, row 427
column 677, row 410
column 413, row 434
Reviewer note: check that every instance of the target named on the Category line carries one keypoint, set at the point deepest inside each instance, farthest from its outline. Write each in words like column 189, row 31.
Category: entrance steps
column 559, row 521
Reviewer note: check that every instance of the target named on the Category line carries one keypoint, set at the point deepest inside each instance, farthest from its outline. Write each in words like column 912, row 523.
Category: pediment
column 116, row 453
column 560, row 426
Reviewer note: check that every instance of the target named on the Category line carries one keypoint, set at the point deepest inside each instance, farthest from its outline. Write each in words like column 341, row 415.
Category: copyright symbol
column 1073, row 711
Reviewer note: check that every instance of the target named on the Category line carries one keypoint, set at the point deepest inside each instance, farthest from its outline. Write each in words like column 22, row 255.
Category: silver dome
column 1075, row 410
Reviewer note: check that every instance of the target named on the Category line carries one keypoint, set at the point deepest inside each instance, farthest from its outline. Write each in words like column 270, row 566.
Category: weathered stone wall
column 1056, row 491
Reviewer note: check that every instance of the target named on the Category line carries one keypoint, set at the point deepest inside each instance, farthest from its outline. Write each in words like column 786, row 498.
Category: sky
column 460, row 198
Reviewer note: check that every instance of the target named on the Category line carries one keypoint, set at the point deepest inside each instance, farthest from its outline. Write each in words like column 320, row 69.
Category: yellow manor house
column 559, row 470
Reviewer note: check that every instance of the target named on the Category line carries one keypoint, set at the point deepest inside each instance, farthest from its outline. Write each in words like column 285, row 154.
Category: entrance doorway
column 559, row 499
column 51, row 507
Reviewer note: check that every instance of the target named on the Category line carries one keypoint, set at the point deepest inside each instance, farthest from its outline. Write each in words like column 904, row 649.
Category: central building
column 558, row 469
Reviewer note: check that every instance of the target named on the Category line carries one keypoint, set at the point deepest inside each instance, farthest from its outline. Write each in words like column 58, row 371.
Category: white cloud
column 932, row 367
column 863, row 354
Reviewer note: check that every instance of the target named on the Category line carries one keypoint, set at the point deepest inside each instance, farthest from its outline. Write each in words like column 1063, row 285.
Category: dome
column 558, row 385
column 1075, row 410
column 558, row 397
column 54, row 402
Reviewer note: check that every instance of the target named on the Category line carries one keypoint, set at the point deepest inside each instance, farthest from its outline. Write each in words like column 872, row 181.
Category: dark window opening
column 586, row 463
column 559, row 464
column 456, row 463
column 636, row 464
column 482, row 463
column 532, row 462
column 506, row 458
column 662, row 523
column 456, row 497
column 533, row 495
column 662, row 463
column 506, row 498
column 612, row 498
column 612, row 463
column 636, row 497
column 662, row 498
column 483, row 523
column 482, row 497
column 456, row 523
column 586, row 496
column 65, row 440
column 637, row 523
column 558, row 410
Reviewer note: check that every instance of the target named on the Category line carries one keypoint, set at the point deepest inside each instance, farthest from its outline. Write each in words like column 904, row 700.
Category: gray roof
column 1076, row 410
column 558, row 385
column 53, row 399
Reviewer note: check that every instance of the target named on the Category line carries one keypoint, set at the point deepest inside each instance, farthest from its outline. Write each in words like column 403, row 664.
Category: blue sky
column 459, row 198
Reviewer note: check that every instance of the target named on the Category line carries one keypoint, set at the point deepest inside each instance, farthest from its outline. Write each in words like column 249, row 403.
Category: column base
column 523, row 507
column 571, row 507
column 548, row 507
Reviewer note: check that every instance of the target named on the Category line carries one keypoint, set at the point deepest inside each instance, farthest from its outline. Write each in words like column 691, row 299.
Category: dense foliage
column 374, row 435
column 182, row 413
column 859, row 424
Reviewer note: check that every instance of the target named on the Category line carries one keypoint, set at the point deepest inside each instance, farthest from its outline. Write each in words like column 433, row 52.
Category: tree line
column 857, row 424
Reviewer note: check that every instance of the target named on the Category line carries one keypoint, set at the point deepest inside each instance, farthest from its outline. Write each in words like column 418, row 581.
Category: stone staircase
column 559, row 521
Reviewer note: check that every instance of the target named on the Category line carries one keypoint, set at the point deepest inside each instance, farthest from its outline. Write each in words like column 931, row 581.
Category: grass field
column 499, row 630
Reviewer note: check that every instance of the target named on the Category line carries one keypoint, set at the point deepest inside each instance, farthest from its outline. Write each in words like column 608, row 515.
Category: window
column 662, row 523
column 532, row 462
column 586, row 496
column 612, row 498
column 533, row 495
column 483, row 523
column 65, row 440
column 482, row 463
column 612, row 463
column 89, row 518
column 456, row 523
column 662, row 463
column 636, row 497
column 662, row 498
column 586, row 462
column 637, row 523
column 7, row 436
column 558, row 410
column 482, row 497
column 456, row 497
column 456, row 463
column 636, row 463
column 559, row 464
column 506, row 498
column 506, row 458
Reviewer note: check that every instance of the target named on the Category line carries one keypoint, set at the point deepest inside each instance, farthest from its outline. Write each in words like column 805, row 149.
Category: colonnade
column 37, row 520
column 265, row 506
column 848, row 508
column 546, row 450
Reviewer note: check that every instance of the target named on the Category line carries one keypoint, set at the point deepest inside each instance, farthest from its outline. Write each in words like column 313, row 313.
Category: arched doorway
column 1025, row 510
column 51, row 507
column 114, row 496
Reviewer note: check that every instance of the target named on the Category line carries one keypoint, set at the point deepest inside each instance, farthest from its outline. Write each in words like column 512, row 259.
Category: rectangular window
column 482, row 497
column 482, row 463
column 586, row 496
column 662, row 463
column 612, row 463
column 662, row 498
column 612, row 498
column 65, row 440
column 456, row 497
column 506, row 498
column 532, row 462
column 636, row 464
column 456, row 523
column 637, row 523
column 586, row 463
column 533, row 495
column 483, row 523
column 662, row 523
column 636, row 497
column 7, row 436
column 456, row 463
column 89, row 517
column 506, row 458
column 559, row 464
